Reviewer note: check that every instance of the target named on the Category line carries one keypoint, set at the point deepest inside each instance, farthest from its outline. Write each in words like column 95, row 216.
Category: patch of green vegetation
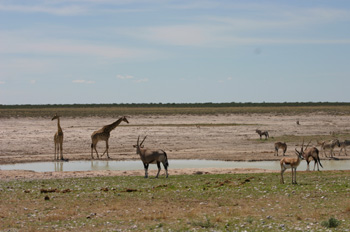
column 331, row 223
column 205, row 223
column 113, row 110
column 227, row 202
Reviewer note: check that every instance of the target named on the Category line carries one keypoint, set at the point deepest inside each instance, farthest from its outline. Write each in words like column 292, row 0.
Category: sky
column 163, row 51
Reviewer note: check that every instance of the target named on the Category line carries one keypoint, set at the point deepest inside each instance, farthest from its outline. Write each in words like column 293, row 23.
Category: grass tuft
column 331, row 223
column 206, row 223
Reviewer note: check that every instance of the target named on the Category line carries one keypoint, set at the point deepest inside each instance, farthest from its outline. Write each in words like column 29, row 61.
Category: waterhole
column 95, row 165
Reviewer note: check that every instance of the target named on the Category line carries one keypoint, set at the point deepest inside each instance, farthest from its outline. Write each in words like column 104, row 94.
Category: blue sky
column 150, row 51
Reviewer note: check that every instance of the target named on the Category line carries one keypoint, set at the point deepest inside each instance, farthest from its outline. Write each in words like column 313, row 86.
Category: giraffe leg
column 93, row 147
column 92, row 151
column 54, row 156
column 61, row 151
column 98, row 157
column 107, row 147
column 106, row 151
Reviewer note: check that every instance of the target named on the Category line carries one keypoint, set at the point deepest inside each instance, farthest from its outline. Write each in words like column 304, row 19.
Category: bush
column 331, row 223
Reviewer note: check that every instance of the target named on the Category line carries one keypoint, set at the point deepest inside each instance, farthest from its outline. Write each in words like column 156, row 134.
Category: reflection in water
column 96, row 165
column 99, row 165
column 58, row 166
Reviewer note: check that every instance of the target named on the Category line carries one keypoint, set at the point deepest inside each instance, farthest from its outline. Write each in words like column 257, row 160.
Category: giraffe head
column 125, row 119
column 55, row 117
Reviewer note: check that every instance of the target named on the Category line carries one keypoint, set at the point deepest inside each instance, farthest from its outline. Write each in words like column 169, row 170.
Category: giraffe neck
column 112, row 126
column 58, row 125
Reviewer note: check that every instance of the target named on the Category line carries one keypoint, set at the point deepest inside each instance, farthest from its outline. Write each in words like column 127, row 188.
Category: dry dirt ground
column 211, row 137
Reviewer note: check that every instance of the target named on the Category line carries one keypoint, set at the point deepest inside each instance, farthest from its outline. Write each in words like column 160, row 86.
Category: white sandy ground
column 31, row 140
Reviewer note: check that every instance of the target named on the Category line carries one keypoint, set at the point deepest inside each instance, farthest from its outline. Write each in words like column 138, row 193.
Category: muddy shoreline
column 209, row 137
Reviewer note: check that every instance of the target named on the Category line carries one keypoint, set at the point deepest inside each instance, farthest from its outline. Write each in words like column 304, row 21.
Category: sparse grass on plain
column 226, row 202
column 306, row 138
column 112, row 110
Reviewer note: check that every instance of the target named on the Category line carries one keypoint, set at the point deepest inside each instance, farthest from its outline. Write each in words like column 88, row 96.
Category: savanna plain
column 212, row 199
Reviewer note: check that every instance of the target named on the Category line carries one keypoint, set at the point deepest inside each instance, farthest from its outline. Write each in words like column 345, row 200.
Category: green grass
column 113, row 110
column 331, row 223
column 227, row 202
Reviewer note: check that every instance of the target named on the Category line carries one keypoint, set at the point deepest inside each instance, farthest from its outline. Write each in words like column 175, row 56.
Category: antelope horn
column 143, row 140
column 138, row 140
column 308, row 144
column 302, row 146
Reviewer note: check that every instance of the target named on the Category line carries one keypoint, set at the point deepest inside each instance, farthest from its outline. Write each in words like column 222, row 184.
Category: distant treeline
column 178, row 105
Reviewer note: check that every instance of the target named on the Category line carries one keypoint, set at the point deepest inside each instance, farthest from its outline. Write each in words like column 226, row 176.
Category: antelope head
column 139, row 145
column 301, row 153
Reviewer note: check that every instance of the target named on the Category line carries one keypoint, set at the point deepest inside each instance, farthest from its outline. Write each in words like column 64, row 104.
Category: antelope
column 261, row 133
column 343, row 146
column 312, row 154
column 329, row 145
column 151, row 157
column 293, row 163
column 280, row 145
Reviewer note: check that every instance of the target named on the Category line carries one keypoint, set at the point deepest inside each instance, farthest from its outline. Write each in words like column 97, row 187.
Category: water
column 174, row 164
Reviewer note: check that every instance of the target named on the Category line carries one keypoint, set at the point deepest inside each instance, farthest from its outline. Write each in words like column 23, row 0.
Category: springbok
column 312, row 154
column 293, row 163
column 343, row 146
column 280, row 145
column 261, row 133
column 329, row 145
column 151, row 157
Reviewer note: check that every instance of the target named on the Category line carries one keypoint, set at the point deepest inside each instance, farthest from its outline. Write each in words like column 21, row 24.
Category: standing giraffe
column 104, row 134
column 58, row 139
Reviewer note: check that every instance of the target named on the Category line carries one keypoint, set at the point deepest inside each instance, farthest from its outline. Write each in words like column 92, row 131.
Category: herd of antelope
column 309, row 154
column 149, row 156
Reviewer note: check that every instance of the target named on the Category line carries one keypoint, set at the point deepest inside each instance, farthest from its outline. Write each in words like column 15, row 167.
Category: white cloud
column 179, row 35
column 83, row 82
column 2, row 82
column 55, row 10
column 123, row 77
column 222, row 36
column 141, row 80
column 129, row 77
column 267, row 27
column 25, row 42
column 33, row 81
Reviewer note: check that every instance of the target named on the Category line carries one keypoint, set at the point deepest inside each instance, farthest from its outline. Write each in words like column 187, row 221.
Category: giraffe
column 104, row 134
column 58, row 139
